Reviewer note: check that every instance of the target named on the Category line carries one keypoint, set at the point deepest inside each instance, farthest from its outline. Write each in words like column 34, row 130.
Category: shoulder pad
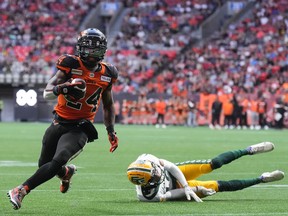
column 66, row 61
column 111, row 70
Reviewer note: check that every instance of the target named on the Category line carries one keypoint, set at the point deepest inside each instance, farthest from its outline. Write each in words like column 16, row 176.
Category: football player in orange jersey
column 72, row 126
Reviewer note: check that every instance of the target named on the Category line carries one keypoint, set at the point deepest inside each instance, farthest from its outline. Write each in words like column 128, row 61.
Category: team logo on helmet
column 145, row 173
column 140, row 172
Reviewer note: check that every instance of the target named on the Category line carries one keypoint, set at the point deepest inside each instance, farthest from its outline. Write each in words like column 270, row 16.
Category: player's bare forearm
column 109, row 115
column 59, row 77
column 108, row 108
column 109, row 118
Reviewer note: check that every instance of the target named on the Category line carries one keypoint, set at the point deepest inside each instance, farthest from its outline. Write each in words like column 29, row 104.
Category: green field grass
column 101, row 187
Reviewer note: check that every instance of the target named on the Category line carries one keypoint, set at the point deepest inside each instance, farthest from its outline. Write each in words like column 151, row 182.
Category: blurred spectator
column 262, row 112
column 192, row 114
column 1, row 108
column 244, row 103
column 228, row 114
column 216, row 113
column 117, row 111
column 237, row 110
column 160, row 106
column 279, row 113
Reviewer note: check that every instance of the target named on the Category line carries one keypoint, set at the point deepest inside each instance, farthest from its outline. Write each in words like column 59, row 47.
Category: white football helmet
column 145, row 173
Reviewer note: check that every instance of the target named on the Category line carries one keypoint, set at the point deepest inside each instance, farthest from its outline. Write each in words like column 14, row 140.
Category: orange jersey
column 244, row 103
column 285, row 98
column 254, row 106
column 262, row 107
column 160, row 107
column 227, row 108
column 96, row 83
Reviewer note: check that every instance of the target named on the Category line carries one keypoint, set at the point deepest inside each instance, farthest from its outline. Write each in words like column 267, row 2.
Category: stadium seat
column 2, row 78
column 16, row 78
column 25, row 78
column 8, row 78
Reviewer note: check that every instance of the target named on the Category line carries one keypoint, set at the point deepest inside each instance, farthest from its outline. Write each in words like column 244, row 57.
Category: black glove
column 68, row 89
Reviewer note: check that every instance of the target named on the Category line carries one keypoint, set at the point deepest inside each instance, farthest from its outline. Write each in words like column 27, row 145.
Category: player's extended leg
column 66, row 153
column 50, row 146
column 230, row 156
column 69, row 145
column 234, row 185
column 195, row 168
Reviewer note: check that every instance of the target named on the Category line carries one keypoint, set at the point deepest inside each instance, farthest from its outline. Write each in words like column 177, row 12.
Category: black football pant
column 160, row 118
column 215, row 119
column 60, row 144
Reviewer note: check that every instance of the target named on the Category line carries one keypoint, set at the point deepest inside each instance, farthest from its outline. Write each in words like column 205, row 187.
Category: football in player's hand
column 80, row 84
column 77, row 90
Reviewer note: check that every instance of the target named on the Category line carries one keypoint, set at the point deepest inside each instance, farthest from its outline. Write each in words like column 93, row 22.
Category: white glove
column 205, row 191
column 190, row 193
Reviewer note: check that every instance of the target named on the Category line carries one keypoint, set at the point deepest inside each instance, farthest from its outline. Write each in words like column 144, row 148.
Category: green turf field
column 101, row 187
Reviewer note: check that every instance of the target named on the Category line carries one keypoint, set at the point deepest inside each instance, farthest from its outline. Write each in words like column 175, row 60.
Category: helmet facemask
column 157, row 176
column 91, row 47
column 145, row 173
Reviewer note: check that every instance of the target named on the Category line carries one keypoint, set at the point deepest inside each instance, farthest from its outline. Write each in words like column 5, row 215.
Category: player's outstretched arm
column 180, row 193
column 176, row 172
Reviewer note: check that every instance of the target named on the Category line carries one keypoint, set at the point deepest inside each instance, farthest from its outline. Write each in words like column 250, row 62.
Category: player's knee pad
column 42, row 161
column 62, row 157
column 55, row 165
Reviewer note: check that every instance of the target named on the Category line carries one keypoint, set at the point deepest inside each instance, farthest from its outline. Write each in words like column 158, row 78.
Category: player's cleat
column 272, row 176
column 16, row 196
column 260, row 148
column 65, row 181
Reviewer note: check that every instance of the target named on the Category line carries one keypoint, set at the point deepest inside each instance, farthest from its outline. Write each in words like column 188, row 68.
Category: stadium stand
column 34, row 33
column 151, row 35
column 157, row 47
column 248, row 58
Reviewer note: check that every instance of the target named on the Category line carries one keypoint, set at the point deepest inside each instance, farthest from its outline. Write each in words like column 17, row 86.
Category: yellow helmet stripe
column 139, row 169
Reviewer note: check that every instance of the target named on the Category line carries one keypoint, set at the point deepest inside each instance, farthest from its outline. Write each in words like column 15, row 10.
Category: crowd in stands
column 246, row 113
column 151, row 35
column 248, row 61
column 162, row 24
column 34, row 33
column 250, row 54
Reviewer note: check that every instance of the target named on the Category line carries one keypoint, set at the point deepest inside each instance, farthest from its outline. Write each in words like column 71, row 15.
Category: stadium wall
column 27, row 104
column 22, row 108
